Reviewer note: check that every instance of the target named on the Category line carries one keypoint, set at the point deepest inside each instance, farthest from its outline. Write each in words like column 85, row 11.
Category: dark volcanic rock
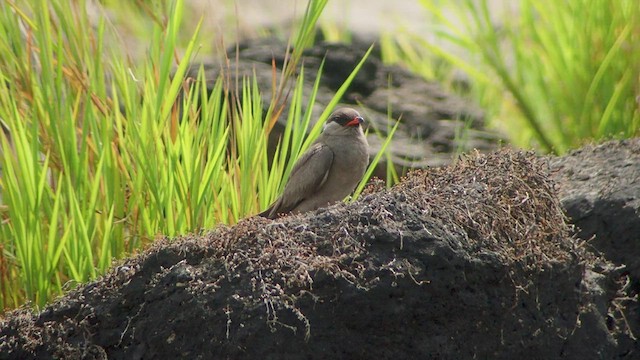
column 600, row 189
column 469, row 261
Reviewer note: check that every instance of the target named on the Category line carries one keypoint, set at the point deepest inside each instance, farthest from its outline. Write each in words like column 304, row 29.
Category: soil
column 473, row 260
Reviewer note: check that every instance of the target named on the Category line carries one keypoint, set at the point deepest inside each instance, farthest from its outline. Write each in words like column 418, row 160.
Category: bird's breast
column 350, row 161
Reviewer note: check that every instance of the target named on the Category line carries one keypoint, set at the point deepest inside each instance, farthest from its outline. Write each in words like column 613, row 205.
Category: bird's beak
column 355, row 121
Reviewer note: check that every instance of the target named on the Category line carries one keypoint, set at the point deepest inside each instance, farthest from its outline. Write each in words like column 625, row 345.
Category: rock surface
column 600, row 189
column 469, row 261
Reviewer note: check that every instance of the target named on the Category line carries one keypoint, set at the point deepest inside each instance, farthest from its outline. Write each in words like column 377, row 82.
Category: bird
column 329, row 170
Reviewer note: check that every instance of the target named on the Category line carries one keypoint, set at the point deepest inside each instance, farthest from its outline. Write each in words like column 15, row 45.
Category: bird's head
column 343, row 121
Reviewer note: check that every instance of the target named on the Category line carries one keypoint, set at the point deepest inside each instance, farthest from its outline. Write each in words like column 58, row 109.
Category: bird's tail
column 267, row 213
column 270, row 212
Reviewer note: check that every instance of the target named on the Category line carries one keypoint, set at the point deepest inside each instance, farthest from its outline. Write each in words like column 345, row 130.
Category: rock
column 469, row 261
column 599, row 186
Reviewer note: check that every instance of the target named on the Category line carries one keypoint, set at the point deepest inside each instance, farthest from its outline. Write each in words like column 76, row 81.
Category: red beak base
column 355, row 121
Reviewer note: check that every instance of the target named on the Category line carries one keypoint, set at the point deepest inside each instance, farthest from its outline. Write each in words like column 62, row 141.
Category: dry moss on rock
column 504, row 201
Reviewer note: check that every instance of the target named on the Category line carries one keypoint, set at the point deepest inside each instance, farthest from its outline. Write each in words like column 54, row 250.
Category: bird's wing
column 307, row 176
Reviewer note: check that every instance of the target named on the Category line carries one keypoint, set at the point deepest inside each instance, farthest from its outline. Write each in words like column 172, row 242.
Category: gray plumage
column 329, row 170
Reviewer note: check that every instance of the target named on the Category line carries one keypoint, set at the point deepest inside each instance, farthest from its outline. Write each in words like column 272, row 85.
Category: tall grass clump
column 552, row 74
column 101, row 153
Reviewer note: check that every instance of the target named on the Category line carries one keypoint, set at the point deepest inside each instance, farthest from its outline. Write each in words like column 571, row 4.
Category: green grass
column 103, row 153
column 553, row 75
